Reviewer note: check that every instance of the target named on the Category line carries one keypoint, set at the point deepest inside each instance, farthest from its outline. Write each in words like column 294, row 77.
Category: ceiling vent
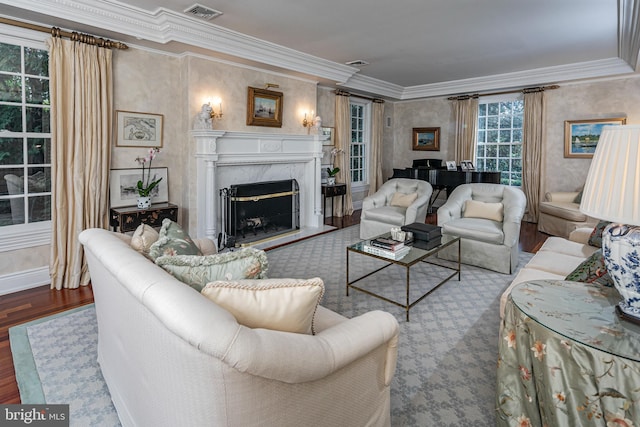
column 357, row 63
column 202, row 12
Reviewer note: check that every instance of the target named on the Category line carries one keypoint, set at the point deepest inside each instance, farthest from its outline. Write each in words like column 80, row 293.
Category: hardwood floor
column 39, row 302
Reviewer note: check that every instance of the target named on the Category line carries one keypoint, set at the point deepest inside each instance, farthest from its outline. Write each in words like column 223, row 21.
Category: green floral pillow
column 596, row 235
column 197, row 271
column 592, row 270
column 172, row 241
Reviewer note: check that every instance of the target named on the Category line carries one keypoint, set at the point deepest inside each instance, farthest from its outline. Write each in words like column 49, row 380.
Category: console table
column 565, row 358
column 333, row 191
column 130, row 217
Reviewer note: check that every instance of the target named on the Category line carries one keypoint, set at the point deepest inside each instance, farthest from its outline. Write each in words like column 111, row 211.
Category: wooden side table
column 128, row 218
column 333, row 191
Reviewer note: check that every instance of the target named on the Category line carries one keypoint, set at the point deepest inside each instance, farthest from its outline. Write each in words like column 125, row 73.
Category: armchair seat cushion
column 566, row 210
column 388, row 214
column 483, row 230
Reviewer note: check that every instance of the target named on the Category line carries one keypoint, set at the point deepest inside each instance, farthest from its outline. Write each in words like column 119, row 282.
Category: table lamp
column 612, row 193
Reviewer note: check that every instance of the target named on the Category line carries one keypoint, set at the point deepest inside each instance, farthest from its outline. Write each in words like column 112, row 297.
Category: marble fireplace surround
column 224, row 158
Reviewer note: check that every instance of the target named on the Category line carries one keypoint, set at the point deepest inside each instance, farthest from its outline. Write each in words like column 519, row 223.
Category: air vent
column 202, row 12
column 357, row 63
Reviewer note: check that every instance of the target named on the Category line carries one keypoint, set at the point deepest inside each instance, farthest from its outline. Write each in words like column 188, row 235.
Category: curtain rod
column 525, row 90
column 57, row 32
column 345, row 93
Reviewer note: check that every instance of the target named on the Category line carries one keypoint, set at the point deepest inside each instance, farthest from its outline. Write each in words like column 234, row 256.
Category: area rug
column 447, row 352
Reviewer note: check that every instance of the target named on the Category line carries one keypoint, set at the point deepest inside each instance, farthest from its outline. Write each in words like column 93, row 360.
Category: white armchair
column 397, row 202
column 488, row 239
column 560, row 214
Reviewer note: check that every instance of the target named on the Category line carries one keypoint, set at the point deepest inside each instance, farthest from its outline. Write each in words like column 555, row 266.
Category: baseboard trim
column 19, row 281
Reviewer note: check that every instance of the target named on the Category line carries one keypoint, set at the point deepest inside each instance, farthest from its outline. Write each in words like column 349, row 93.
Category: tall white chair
column 397, row 202
column 487, row 218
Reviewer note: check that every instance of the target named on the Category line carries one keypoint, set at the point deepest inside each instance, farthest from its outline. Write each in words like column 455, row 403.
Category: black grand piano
column 441, row 179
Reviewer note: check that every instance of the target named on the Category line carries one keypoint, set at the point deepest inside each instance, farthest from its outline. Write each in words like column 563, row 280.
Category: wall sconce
column 308, row 123
column 213, row 114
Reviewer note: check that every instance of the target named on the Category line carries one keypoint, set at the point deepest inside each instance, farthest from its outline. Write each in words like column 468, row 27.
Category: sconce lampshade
column 612, row 193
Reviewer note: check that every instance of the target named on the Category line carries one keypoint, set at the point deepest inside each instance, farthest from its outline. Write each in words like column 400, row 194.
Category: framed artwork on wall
column 581, row 136
column 264, row 108
column 426, row 139
column 326, row 131
column 123, row 189
column 138, row 129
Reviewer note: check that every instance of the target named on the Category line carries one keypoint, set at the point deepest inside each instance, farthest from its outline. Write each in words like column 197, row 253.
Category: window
column 358, row 153
column 499, row 145
column 25, row 138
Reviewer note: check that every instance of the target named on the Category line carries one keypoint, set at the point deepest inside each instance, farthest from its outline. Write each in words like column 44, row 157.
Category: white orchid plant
column 146, row 185
column 333, row 171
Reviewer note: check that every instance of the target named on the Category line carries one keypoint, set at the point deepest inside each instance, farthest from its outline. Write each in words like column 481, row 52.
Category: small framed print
column 123, row 189
column 451, row 165
column 581, row 136
column 426, row 139
column 327, row 133
column 264, row 108
column 466, row 165
column 138, row 129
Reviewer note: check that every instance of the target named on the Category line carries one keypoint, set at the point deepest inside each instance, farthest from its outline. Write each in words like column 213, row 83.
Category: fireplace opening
column 256, row 212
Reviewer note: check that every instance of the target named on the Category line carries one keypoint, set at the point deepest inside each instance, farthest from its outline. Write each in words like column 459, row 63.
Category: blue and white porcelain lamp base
column 621, row 250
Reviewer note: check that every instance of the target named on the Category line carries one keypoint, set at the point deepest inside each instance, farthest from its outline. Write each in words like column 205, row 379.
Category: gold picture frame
column 581, row 136
column 264, row 108
column 426, row 139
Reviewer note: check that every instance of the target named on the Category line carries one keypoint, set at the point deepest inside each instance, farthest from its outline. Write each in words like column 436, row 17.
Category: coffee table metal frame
column 415, row 256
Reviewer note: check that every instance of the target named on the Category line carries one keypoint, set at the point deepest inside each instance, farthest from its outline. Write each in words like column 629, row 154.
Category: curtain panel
column 81, row 126
column 532, row 152
column 343, row 142
column 466, row 114
column 377, row 130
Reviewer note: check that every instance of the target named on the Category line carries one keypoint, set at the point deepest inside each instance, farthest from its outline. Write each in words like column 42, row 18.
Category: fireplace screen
column 253, row 213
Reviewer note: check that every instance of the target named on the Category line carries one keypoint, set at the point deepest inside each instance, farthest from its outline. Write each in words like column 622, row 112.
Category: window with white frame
column 25, row 138
column 499, row 142
column 360, row 136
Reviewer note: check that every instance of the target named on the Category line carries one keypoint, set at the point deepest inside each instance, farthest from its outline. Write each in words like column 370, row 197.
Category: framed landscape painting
column 264, row 107
column 426, row 139
column 581, row 136
column 123, row 189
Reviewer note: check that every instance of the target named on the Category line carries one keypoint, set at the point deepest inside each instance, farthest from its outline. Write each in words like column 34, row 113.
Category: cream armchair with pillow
column 487, row 217
column 397, row 202
column 560, row 213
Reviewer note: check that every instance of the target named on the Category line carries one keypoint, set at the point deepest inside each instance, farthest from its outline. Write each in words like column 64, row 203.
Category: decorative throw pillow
column 578, row 198
column 197, row 271
column 592, row 270
column 143, row 238
column 287, row 305
column 486, row 210
column 596, row 235
column 173, row 241
column 403, row 200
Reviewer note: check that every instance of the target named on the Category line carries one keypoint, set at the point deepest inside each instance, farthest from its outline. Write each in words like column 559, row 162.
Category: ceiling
column 415, row 48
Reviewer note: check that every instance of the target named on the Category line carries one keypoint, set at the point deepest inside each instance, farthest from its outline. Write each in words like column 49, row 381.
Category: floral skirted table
column 566, row 359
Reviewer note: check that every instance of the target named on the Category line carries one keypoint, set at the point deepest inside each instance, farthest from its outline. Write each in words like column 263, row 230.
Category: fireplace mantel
column 224, row 158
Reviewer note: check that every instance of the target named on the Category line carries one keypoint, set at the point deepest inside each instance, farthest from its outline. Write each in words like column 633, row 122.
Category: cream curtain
column 466, row 114
column 343, row 142
column 532, row 152
column 81, row 120
column 377, row 129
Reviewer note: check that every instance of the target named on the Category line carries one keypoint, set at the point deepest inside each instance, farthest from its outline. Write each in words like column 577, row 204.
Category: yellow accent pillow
column 403, row 200
column 486, row 210
column 287, row 305
column 143, row 238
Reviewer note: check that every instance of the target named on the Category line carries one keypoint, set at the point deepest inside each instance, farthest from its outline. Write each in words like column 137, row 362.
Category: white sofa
column 555, row 259
column 172, row 357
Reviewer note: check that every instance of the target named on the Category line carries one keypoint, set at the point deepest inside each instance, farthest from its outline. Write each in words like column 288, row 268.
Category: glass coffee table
column 415, row 256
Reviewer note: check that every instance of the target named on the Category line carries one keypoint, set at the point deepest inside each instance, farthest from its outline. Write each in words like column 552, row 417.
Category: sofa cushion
column 403, row 200
column 553, row 262
column 477, row 209
column 173, row 240
column 393, row 215
column 596, row 235
column 287, row 305
column 566, row 210
column 567, row 247
column 143, row 238
column 483, row 230
column 592, row 270
column 197, row 271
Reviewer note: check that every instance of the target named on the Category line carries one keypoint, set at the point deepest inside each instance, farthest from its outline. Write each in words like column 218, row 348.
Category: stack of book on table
column 387, row 248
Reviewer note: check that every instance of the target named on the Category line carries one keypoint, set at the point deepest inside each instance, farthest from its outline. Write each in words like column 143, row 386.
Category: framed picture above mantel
column 264, row 107
column 581, row 136
column 426, row 139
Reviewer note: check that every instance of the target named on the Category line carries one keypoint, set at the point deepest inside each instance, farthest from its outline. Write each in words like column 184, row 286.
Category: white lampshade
column 612, row 189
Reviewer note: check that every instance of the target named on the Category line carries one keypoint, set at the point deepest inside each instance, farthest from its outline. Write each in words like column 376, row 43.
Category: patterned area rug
column 447, row 352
